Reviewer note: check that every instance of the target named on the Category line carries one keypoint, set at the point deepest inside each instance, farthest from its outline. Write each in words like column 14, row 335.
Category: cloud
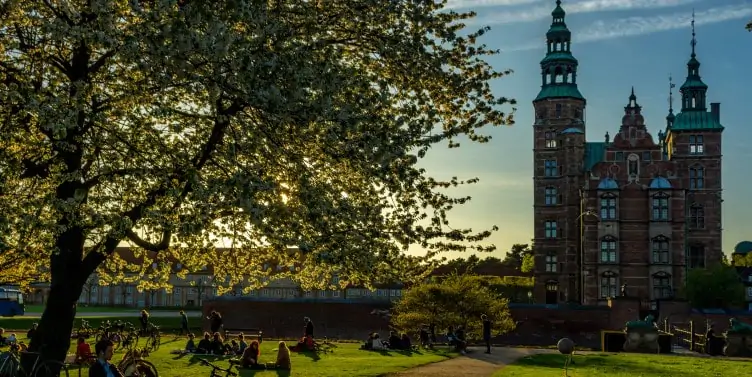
column 470, row 4
column 633, row 26
column 587, row 6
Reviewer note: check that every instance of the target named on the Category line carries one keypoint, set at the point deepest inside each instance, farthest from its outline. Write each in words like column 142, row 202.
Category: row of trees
column 519, row 257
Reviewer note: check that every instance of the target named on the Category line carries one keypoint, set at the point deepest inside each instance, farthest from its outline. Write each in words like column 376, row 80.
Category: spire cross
column 671, row 87
column 694, row 40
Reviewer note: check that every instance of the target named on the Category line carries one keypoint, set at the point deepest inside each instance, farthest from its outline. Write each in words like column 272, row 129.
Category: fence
column 685, row 336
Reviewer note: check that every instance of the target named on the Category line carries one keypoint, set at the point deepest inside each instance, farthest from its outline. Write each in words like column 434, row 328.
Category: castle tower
column 558, row 153
column 693, row 140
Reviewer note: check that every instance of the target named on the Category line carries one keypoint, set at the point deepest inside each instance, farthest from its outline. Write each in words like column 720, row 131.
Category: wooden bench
column 233, row 332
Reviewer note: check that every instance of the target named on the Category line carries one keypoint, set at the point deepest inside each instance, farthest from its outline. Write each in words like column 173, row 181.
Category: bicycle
column 324, row 347
column 10, row 366
column 216, row 371
column 154, row 337
column 134, row 364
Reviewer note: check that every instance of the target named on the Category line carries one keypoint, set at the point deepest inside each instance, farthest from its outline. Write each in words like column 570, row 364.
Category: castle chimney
column 715, row 111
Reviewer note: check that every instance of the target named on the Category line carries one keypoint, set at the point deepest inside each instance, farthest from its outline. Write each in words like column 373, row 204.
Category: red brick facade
column 637, row 210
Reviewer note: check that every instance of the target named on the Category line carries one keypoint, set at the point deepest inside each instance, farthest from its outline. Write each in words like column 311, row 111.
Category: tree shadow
column 595, row 362
column 313, row 355
column 196, row 358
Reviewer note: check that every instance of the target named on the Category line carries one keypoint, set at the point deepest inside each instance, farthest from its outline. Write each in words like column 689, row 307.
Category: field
column 625, row 365
column 345, row 361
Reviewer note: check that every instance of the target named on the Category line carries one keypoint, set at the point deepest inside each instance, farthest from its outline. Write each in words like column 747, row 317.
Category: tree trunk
column 53, row 336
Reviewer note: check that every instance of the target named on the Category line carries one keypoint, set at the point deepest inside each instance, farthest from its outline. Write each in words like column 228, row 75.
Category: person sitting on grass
column 217, row 345
column 32, row 330
column 394, row 342
column 12, row 339
column 83, row 352
column 283, row 357
column 250, row 358
column 304, row 344
column 233, row 348
column 205, row 345
column 3, row 339
column 242, row 345
column 407, row 344
column 190, row 346
column 368, row 345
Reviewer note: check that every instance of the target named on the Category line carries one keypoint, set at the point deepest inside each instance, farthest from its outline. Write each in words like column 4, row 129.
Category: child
column 190, row 347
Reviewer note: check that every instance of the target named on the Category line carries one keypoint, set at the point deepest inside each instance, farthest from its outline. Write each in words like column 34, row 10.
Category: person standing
column 215, row 321
column 184, row 323
column 308, row 332
column 486, row 332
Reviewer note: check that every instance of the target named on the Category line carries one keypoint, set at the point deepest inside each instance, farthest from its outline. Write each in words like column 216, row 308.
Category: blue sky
column 620, row 44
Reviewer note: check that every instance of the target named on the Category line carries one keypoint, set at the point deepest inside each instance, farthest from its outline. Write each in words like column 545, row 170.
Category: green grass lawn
column 345, row 361
column 625, row 365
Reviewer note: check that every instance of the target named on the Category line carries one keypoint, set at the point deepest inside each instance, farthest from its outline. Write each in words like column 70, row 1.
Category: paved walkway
column 475, row 364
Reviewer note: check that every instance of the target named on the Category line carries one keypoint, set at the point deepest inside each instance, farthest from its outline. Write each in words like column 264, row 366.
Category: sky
column 619, row 44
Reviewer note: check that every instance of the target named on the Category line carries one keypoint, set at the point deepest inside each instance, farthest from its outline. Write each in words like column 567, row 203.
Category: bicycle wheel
column 50, row 368
column 140, row 368
column 9, row 365
column 151, row 344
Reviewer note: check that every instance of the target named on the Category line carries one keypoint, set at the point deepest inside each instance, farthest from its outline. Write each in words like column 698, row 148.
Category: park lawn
column 106, row 309
column 346, row 360
column 624, row 365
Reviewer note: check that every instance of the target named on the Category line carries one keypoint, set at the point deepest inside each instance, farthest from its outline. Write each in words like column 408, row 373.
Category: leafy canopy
column 176, row 125
column 457, row 300
column 718, row 286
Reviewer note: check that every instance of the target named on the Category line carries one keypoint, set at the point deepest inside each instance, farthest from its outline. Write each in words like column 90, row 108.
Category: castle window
column 558, row 110
column 609, row 284
column 550, row 139
column 608, row 250
column 608, row 207
column 550, row 229
column 551, row 261
column 660, row 248
column 551, row 169
column 696, row 256
column 619, row 156
column 552, row 196
column 646, row 156
column 697, row 217
column 578, row 114
column 661, row 285
column 660, row 207
column 696, row 144
column 633, row 165
column 697, row 177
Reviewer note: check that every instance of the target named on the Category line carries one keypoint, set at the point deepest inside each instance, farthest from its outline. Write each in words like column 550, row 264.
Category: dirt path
column 474, row 364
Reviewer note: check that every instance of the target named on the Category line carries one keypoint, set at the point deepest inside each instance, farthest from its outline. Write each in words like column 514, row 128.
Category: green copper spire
column 558, row 67
column 693, row 91
column 694, row 115
column 670, row 117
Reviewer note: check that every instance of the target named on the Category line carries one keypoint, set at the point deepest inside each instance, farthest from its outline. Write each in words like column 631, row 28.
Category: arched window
column 608, row 207
column 633, row 165
column 662, row 285
column 608, row 250
column 660, row 247
column 660, row 207
column 609, row 284
column 696, row 177
column 558, row 110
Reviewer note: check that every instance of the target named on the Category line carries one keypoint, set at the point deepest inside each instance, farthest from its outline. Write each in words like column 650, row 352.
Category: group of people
column 214, row 344
column 455, row 337
column 13, row 341
column 394, row 342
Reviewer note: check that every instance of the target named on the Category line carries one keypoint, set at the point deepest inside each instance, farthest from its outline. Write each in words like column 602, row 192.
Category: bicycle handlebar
column 216, row 368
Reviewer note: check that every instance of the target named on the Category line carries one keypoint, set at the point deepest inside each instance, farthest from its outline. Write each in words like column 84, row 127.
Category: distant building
column 633, row 209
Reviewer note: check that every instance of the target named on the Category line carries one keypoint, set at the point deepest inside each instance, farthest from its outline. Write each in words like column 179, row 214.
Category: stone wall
column 537, row 325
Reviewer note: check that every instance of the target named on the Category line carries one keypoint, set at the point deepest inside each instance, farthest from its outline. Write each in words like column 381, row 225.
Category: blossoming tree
column 173, row 126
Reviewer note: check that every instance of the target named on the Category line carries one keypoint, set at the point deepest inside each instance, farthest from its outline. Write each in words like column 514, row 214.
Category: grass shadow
column 599, row 362
column 196, row 358
column 314, row 356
